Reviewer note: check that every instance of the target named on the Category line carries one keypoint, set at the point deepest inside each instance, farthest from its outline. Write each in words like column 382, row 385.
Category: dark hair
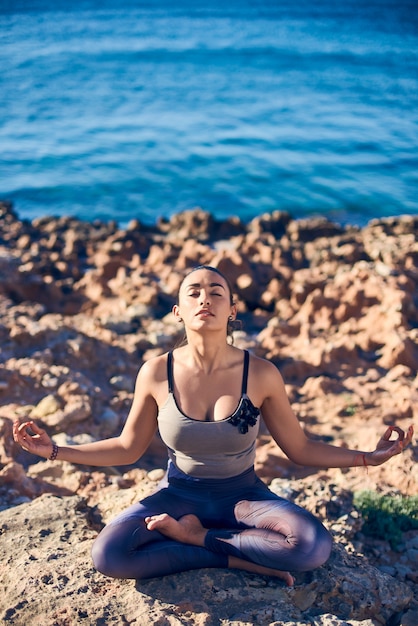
column 216, row 271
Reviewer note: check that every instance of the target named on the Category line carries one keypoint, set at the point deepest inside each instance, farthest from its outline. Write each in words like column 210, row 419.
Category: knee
column 320, row 549
column 99, row 558
column 104, row 558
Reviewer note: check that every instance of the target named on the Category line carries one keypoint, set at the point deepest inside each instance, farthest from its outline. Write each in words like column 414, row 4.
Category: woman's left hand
column 387, row 447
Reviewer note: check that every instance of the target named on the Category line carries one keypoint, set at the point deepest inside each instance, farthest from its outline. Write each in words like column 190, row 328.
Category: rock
column 400, row 351
column 46, row 407
column 109, row 420
column 8, row 448
column 272, row 223
column 60, row 585
column 310, row 229
column 156, row 475
column 410, row 618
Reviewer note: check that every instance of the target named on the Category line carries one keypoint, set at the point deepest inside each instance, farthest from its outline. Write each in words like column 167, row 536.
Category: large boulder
column 48, row 578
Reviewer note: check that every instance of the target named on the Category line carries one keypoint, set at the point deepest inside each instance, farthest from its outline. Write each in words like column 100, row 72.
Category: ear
column 233, row 314
column 176, row 312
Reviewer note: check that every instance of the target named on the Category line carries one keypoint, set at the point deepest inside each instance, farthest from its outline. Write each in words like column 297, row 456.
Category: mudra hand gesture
column 32, row 438
column 387, row 447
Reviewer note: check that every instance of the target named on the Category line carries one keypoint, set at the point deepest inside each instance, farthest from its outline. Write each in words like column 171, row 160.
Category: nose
column 204, row 298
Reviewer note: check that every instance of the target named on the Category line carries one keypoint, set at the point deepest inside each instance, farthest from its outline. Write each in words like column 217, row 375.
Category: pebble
column 156, row 474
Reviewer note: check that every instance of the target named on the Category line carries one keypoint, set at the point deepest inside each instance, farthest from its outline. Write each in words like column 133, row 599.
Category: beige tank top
column 218, row 449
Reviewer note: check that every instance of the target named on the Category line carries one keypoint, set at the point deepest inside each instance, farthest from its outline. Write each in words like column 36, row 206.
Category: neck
column 205, row 353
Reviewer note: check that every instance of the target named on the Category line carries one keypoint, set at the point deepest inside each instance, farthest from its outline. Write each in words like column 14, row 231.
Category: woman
column 211, row 510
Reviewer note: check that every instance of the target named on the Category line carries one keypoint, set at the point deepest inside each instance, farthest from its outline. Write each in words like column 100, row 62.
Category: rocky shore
column 83, row 305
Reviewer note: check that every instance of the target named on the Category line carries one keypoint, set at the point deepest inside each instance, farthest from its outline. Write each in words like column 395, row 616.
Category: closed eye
column 196, row 294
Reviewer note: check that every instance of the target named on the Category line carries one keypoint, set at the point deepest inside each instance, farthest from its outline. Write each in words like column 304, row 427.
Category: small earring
column 231, row 317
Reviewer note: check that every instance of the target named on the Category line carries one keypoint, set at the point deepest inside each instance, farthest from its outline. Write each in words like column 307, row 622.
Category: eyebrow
column 194, row 285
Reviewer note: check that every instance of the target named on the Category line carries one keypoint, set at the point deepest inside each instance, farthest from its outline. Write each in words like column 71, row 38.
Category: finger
column 387, row 433
column 20, row 425
column 394, row 450
column 408, row 438
column 19, row 430
column 398, row 447
column 21, row 434
column 395, row 429
column 36, row 429
column 399, row 431
column 23, row 426
column 15, row 429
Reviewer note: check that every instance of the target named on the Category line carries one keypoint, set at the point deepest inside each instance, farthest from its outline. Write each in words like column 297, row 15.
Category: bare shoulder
column 153, row 371
column 261, row 367
column 151, row 381
column 265, row 375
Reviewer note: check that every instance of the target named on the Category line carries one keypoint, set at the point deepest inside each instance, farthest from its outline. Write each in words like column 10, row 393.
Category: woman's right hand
column 32, row 438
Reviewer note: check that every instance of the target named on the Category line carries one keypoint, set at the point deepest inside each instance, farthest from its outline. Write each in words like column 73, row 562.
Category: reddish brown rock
column 83, row 305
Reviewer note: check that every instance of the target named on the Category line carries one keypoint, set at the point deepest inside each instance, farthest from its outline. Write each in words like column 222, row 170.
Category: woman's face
column 205, row 301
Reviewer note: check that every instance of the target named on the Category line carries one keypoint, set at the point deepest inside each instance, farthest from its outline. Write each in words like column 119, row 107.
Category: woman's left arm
column 286, row 430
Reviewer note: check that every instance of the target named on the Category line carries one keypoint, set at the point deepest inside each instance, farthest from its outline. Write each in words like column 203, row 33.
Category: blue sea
column 121, row 109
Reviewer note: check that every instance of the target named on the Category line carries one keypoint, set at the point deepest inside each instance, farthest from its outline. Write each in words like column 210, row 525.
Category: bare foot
column 248, row 566
column 187, row 529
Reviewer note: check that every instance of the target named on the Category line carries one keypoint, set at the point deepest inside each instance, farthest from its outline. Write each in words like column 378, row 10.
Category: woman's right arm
column 128, row 447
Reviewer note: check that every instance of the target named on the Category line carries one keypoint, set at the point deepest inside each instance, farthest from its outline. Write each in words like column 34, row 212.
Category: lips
column 204, row 313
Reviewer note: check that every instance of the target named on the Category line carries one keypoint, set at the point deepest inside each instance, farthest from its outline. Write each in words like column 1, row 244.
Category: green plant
column 387, row 516
column 351, row 407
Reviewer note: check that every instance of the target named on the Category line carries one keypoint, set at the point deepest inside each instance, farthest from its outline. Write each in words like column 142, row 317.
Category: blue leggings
column 245, row 520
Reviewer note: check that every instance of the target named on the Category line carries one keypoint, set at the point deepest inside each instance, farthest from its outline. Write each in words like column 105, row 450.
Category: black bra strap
column 245, row 373
column 170, row 372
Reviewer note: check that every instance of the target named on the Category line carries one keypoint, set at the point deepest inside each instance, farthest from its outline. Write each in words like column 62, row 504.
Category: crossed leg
column 189, row 530
column 265, row 535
